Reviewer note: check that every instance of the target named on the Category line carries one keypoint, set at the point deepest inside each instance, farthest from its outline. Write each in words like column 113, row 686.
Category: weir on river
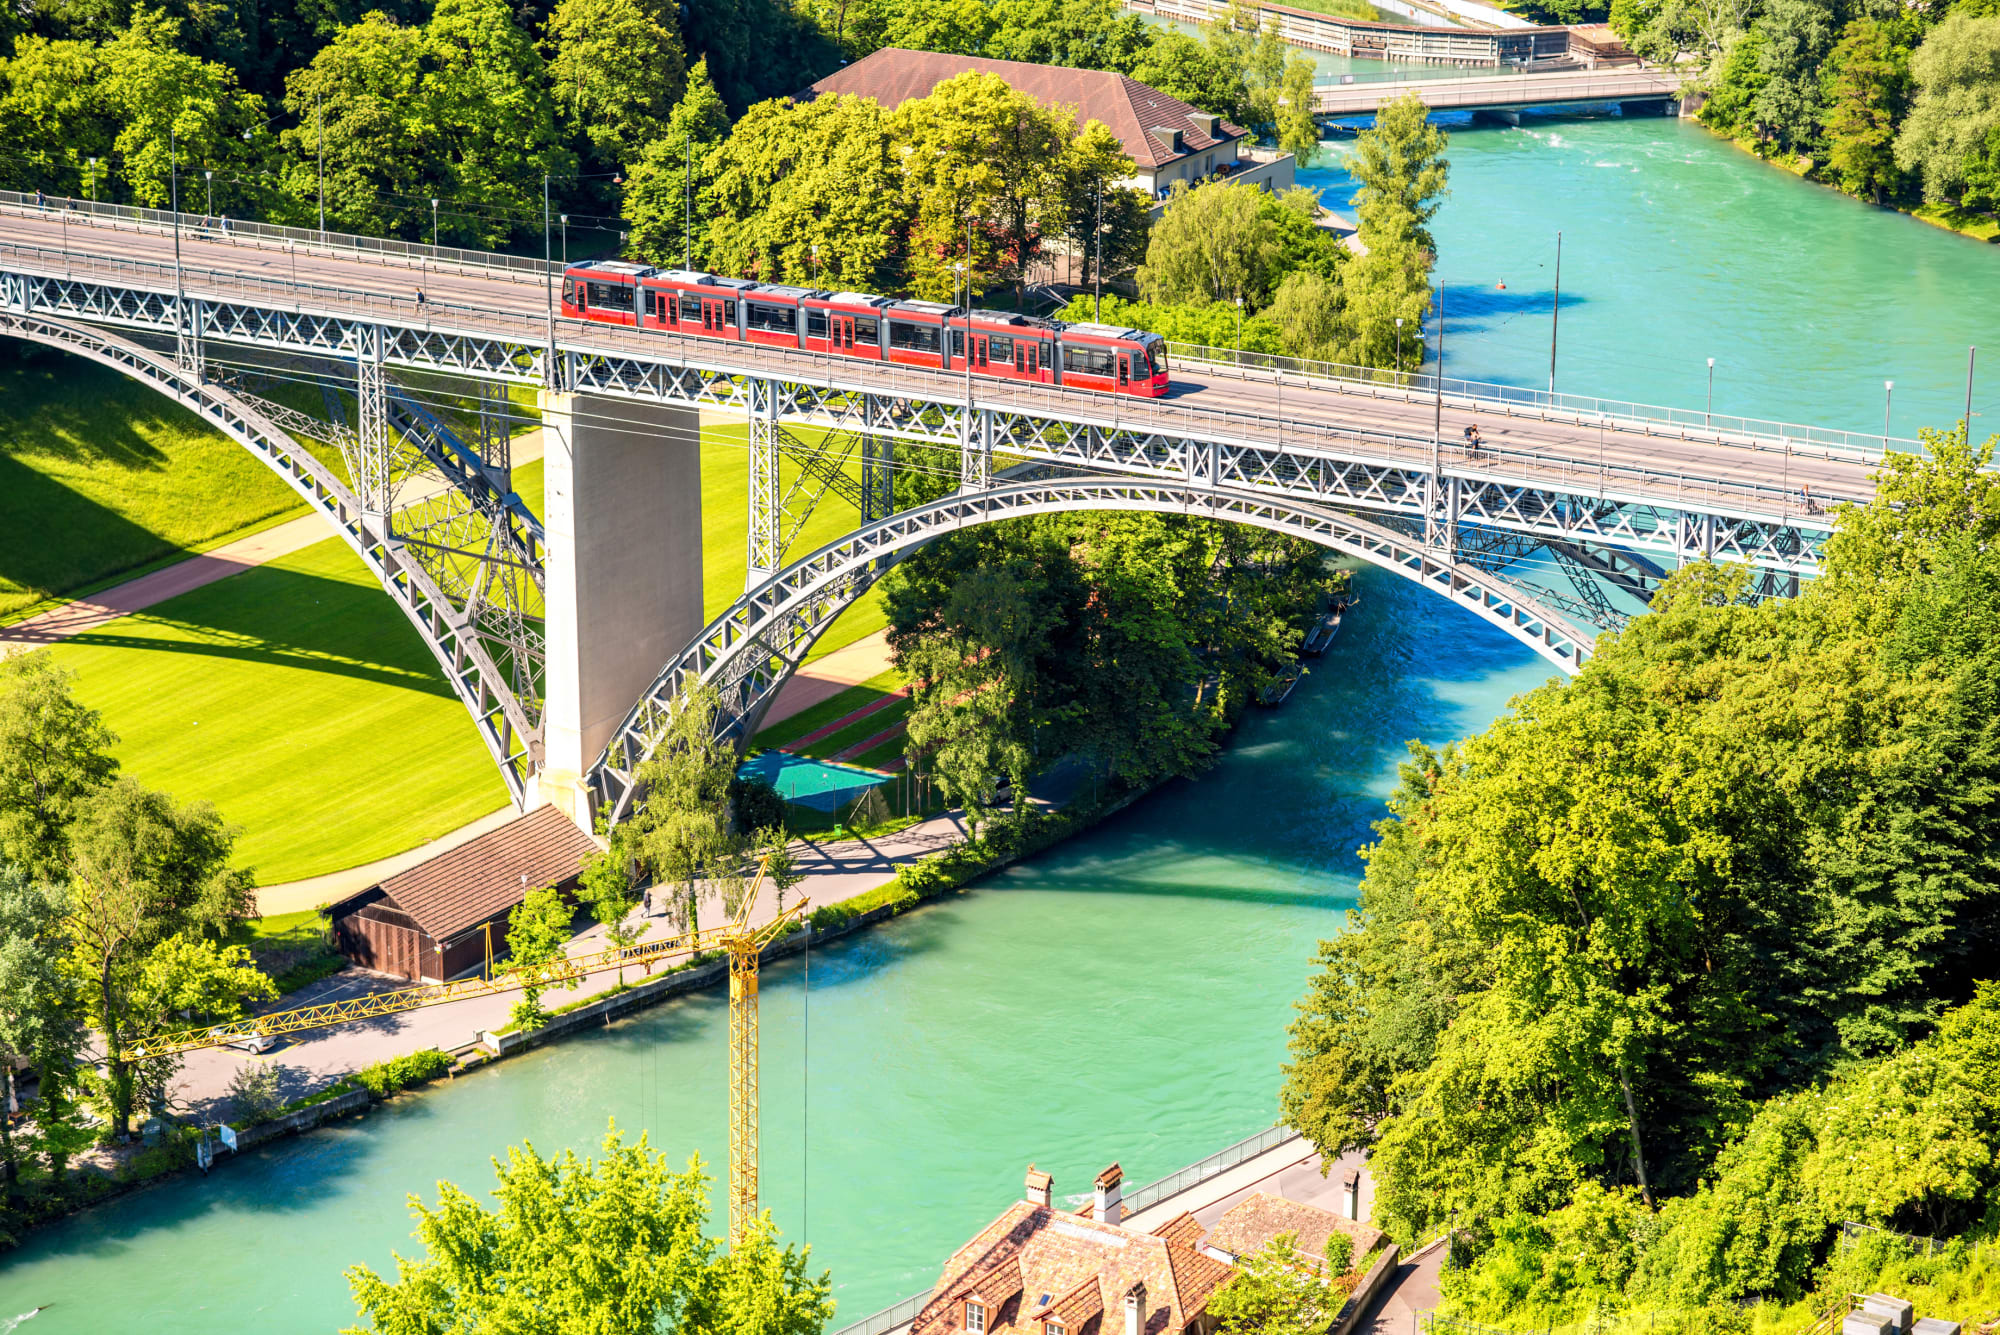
column 1125, row 995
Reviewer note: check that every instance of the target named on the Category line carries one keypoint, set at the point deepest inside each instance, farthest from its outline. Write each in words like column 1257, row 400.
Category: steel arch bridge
column 752, row 649
column 456, row 641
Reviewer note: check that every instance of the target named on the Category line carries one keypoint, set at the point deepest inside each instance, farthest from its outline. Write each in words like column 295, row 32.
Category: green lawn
column 101, row 478
column 298, row 700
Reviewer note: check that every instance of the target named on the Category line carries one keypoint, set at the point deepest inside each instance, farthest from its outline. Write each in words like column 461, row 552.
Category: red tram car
column 1000, row 344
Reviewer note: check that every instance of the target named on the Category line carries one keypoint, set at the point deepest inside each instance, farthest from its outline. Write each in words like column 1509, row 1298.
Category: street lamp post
column 549, row 279
column 319, row 120
column 687, row 205
column 1555, row 314
column 434, row 224
column 565, row 238
column 208, row 179
column 1888, row 397
column 1097, row 269
column 1239, row 329
column 1399, row 350
column 1708, row 412
column 93, row 180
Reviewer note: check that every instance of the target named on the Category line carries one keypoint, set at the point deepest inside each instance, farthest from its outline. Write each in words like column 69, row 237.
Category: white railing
column 1521, row 401
column 1173, row 1184
column 271, row 236
column 889, row 1318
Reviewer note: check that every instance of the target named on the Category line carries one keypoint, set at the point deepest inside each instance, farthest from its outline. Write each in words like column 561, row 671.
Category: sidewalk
column 233, row 558
column 833, row 871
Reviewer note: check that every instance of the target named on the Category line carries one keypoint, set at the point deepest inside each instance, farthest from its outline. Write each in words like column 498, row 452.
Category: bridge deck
column 1774, row 479
column 1501, row 91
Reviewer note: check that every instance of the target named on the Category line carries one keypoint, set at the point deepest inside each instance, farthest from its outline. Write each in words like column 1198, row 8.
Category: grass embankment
column 1978, row 226
column 101, row 479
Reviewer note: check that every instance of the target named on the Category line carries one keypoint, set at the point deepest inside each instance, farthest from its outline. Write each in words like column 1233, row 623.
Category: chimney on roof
column 1135, row 1309
column 1110, row 1201
column 1040, row 1185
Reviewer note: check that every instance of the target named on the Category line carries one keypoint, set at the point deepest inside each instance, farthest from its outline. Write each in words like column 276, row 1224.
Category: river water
column 1123, row 996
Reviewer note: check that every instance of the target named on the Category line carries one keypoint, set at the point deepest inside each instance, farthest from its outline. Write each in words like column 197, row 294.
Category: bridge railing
column 1520, row 401
column 1768, row 489
column 269, row 236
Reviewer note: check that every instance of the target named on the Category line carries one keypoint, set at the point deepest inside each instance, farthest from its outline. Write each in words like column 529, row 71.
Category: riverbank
column 1974, row 226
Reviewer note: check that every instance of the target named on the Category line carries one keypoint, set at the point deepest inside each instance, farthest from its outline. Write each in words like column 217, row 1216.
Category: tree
column 538, row 933
column 1957, row 104
column 668, row 186
column 680, row 830
column 1107, row 224
column 1390, row 282
column 54, row 754
column 39, row 1020
column 53, row 115
column 1868, row 78
column 1307, row 311
column 1277, row 1292
column 808, row 193
column 1076, row 34
column 953, row 145
column 361, row 99
column 1182, row 66
column 1798, row 36
column 957, row 27
column 1298, row 132
column 616, row 69
column 1401, row 166
column 1238, row 40
column 609, row 892
column 614, row 1244
column 1211, row 244
column 143, row 870
column 151, row 86
column 485, row 97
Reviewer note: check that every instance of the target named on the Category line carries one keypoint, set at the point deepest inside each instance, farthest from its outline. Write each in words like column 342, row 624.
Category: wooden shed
column 430, row 923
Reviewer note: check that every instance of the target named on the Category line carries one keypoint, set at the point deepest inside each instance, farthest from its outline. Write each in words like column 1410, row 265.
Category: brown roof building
column 431, row 922
column 1038, row 1270
column 1249, row 1225
column 1167, row 139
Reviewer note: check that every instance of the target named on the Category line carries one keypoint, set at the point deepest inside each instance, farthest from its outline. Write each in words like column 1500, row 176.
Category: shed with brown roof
column 430, row 923
column 1167, row 139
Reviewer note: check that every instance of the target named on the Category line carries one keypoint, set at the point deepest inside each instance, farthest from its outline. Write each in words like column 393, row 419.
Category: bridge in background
column 1636, row 88
column 568, row 635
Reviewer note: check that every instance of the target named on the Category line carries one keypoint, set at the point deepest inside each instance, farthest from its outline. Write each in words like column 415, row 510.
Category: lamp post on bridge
column 565, row 238
column 93, row 180
column 1555, row 314
column 1888, row 397
column 1399, row 351
column 208, row 178
column 1708, row 411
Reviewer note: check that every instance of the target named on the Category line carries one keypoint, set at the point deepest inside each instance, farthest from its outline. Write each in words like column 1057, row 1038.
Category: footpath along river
column 1125, row 995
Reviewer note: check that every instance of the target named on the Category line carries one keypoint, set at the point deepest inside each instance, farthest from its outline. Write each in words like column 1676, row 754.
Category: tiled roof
column 1182, row 1228
column 1083, row 1267
column 1260, row 1217
column 1126, row 107
column 467, row 885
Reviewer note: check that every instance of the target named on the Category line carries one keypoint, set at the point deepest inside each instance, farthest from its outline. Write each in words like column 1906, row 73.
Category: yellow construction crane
column 743, row 944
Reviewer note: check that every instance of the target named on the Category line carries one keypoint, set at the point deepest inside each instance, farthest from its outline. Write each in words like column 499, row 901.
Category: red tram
column 1000, row 344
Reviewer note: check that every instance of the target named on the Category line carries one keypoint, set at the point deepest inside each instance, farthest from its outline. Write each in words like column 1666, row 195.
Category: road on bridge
column 1510, row 91
column 1573, row 452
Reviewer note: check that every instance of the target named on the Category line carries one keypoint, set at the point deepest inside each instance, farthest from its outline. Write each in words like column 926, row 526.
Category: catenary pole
column 319, row 119
column 1555, row 314
column 1971, row 355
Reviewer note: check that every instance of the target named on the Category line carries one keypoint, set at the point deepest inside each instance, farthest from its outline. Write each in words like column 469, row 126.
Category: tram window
column 611, row 296
column 729, row 313
column 1157, row 354
column 815, row 322
column 1000, row 348
column 772, row 319
column 575, row 297
column 691, row 308
column 866, row 330
column 910, row 337
column 1087, row 360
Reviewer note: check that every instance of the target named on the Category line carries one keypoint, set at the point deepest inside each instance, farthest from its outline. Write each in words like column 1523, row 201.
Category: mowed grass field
column 102, row 479
column 298, row 699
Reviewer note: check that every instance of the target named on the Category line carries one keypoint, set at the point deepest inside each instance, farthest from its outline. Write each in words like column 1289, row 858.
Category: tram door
column 1034, row 362
column 842, row 327
column 711, row 315
column 1124, row 369
column 979, row 350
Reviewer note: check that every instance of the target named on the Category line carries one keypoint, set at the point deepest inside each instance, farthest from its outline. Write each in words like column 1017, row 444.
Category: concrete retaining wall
column 303, row 1118
column 1364, row 1292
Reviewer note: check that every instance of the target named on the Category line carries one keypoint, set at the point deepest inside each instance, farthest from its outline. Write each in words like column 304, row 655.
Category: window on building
column 975, row 1317
column 1053, row 1327
column 908, row 336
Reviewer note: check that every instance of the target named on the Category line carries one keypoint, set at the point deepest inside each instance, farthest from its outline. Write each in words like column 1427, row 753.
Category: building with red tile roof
column 1167, row 139
column 1251, row 1224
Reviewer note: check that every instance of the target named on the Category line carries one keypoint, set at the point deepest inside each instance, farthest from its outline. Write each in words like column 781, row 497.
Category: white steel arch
column 451, row 637
column 752, row 649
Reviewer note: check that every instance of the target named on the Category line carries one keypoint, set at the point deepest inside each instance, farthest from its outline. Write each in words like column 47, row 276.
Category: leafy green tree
column 1798, row 37
column 1185, row 67
column 39, row 1008
column 1730, row 108
column 53, row 116
column 958, row 27
column 1239, row 40
column 669, row 185
column 1956, row 72
column 954, row 144
column 1106, row 223
column 1401, row 166
column 362, row 99
column 1298, row 132
column 142, row 870
column 616, row 69
column 1215, row 243
column 1390, row 282
column 1277, row 1292
column 1208, row 325
column 614, row 1244
column 808, row 193
column 755, row 49
column 150, row 85
column 190, row 978
column 55, row 753
column 538, row 933
column 610, row 894
column 486, row 97
column 680, row 831
column 1307, row 311
column 1867, row 78
column 1076, row 34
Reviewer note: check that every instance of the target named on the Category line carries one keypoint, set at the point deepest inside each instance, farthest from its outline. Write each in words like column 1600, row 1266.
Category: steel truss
column 749, row 651
column 468, row 666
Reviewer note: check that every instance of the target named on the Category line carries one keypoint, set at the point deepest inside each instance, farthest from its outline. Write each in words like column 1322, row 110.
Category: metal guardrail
column 1531, row 87
column 1415, row 386
column 1202, row 1169
column 889, row 1318
column 260, row 235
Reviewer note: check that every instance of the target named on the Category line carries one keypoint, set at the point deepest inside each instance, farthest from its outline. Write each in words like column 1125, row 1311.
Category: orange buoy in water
column 1503, row 287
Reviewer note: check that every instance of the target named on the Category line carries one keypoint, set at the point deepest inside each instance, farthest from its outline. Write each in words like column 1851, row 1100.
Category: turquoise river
column 1123, row 996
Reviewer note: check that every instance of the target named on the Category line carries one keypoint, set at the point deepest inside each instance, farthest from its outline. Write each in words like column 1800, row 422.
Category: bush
column 755, row 805
column 414, row 1068
column 253, row 1092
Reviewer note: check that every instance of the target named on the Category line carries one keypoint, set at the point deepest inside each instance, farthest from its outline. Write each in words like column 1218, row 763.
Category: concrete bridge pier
column 622, row 519
column 1497, row 116
column 1652, row 106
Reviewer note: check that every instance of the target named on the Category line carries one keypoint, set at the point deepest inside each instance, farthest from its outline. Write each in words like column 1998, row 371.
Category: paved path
column 833, row 872
column 136, row 595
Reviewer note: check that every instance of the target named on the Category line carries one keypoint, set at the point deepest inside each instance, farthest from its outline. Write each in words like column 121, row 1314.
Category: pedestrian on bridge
column 420, row 296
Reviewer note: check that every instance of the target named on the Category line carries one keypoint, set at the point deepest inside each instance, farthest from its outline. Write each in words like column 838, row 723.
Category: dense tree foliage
column 614, row 1243
column 1747, row 846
